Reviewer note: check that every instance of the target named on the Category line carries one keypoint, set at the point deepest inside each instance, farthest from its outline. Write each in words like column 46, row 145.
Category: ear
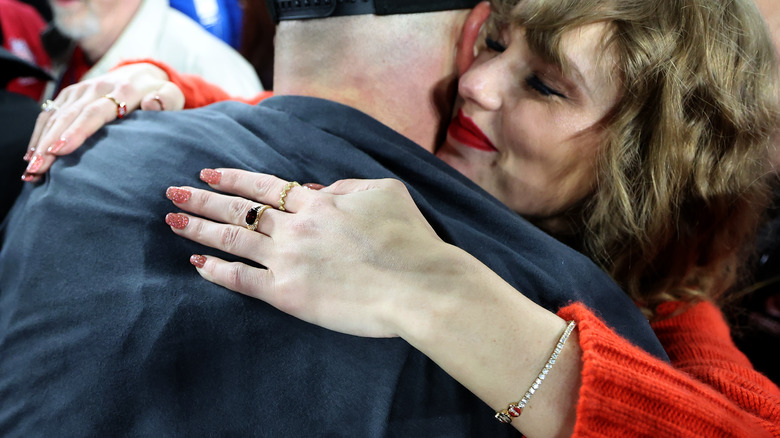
column 469, row 36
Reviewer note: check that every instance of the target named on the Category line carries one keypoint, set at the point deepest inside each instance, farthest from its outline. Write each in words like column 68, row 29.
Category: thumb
column 167, row 98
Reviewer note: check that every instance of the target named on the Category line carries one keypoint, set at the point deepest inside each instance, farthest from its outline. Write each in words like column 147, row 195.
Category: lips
column 463, row 130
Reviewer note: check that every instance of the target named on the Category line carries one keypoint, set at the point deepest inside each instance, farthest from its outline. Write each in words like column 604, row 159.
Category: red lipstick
column 463, row 130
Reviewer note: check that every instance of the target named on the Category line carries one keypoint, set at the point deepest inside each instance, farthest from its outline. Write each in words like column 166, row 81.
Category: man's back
column 105, row 328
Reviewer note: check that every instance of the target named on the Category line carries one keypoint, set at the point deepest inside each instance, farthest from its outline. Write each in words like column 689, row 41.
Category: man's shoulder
column 263, row 137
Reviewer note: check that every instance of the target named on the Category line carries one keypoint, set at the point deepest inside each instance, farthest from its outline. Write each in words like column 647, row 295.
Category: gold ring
column 49, row 106
column 159, row 101
column 283, row 195
column 121, row 107
column 253, row 216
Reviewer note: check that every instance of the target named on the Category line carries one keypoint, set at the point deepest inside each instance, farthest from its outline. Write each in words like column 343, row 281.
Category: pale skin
column 83, row 110
column 544, row 124
column 475, row 326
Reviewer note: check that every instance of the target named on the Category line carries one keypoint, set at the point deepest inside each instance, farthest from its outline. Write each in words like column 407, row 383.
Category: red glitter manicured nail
column 27, row 177
column 178, row 195
column 197, row 260
column 210, row 176
column 59, row 144
column 35, row 164
column 176, row 220
column 314, row 186
column 28, row 154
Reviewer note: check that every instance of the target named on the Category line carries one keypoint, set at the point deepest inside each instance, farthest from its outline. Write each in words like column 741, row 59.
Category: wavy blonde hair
column 683, row 171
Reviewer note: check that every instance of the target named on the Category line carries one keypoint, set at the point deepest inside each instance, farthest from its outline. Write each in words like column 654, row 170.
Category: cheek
column 576, row 176
column 102, row 8
column 551, row 174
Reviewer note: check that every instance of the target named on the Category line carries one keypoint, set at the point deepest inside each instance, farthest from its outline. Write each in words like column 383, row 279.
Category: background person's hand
column 353, row 257
column 81, row 109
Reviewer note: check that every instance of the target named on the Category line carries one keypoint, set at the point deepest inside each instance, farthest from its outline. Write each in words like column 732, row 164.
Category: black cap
column 12, row 67
column 303, row 9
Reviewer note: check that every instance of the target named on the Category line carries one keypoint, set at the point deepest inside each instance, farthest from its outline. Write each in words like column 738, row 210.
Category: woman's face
column 527, row 133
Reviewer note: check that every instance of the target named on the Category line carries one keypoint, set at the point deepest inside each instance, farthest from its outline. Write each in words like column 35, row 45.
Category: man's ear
column 469, row 36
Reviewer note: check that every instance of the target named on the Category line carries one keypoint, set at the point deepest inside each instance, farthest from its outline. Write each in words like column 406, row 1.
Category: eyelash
column 537, row 84
column 532, row 81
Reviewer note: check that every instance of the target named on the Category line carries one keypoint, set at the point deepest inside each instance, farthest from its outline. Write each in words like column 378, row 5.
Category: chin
column 469, row 162
column 75, row 19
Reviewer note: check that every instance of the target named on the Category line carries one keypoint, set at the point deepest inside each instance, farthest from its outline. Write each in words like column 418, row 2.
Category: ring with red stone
column 121, row 107
column 253, row 216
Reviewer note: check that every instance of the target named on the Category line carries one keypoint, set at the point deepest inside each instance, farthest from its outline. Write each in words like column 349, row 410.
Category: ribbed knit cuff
column 628, row 392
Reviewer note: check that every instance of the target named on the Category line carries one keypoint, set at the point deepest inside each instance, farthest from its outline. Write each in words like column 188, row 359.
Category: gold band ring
column 283, row 195
column 49, row 106
column 121, row 107
column 159, row 101
column 253, row 216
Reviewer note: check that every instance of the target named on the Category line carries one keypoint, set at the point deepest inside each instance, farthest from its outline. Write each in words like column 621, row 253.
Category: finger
column 40, row 124
column 229, row 238
column 261, row 187
column 93, row 116
column 54, row 140
column 70, row 130
column 167, row 98
column 222, row 208
column 37, row 167
column 43, row 140
column 236, row 276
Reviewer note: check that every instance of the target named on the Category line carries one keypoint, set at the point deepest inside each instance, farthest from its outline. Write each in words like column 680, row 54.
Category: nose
column 483, row 83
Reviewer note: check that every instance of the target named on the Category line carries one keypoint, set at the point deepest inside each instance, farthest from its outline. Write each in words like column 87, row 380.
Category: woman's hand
column 358, row 257
column 352, row 257
column 83, row 108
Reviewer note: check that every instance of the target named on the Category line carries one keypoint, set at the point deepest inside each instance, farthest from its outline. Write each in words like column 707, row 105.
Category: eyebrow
column 571, row 73
column 576, row 76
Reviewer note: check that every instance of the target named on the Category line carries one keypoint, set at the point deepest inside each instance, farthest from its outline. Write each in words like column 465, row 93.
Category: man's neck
column 416, row 112
column 406, row 83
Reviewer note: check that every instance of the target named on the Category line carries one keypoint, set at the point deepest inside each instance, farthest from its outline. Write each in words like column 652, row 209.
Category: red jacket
column 22, row 27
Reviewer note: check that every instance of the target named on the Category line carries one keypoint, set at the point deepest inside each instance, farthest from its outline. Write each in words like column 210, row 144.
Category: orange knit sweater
column 710, row 388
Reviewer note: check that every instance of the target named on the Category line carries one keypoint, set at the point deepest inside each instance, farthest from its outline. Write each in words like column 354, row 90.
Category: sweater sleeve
column 197, row 91
column 709, row 389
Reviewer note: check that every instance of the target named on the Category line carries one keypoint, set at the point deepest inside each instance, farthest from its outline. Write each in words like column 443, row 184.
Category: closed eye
column 537, row 84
